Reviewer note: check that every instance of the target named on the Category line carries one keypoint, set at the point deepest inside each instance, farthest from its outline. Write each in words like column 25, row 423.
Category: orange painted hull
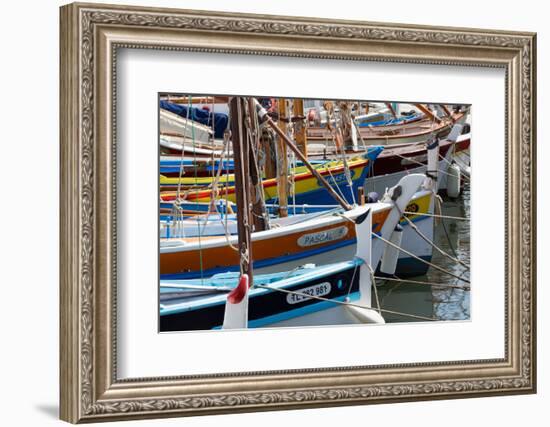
column 218, row 257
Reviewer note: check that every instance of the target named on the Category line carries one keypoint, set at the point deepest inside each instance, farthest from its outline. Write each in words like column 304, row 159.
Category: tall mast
column 300, row 128
column 282, row 160
column 259, row 215
column 392, row 110
column 240, row 143
column 269, row 149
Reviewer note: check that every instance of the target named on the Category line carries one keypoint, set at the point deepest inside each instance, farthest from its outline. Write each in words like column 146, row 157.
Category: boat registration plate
column 319, row 290
column 321, row 237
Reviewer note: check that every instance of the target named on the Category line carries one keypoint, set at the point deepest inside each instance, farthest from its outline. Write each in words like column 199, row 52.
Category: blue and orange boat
column 228, row 301
column 321, row 239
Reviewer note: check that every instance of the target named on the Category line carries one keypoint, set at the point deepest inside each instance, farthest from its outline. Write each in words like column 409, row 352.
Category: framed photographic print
column 268, row 212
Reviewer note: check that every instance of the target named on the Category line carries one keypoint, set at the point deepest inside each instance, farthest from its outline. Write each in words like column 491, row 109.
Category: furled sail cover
column 199, row 115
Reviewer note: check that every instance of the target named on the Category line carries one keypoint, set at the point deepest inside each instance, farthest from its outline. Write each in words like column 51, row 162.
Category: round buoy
column 453, row 181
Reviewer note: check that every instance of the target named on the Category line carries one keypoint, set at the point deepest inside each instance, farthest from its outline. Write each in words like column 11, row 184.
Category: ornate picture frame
column 90, row 37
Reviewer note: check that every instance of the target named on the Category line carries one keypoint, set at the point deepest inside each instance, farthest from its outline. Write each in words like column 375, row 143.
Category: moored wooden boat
column 308, row 189
column 220, row 302
column 397, row 161
column 319, row 240
column 320, row 140
column 214, row 224
column 386, row 170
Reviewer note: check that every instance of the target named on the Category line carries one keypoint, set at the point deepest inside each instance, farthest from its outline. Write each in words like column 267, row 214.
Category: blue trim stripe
column 270, row 261
column 302, row 311
column 297, row 312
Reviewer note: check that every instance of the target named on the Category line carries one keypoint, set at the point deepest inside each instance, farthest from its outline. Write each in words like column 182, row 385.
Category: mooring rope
column 440, row 207
column 420, row 259
column 373, row 281
column 419, row 163
column 457, row 218
column 421, row 282
column 428, row 241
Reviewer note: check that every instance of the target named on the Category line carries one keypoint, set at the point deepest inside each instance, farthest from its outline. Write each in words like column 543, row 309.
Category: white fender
column 453, row 181
column 236, row 306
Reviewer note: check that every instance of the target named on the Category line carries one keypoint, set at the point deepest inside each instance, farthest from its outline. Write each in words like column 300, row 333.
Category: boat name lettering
column 322, row 236
column 319, row 290
column 337, row 179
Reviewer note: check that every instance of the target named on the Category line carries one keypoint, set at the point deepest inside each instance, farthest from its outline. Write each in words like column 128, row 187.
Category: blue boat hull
column 267, row 306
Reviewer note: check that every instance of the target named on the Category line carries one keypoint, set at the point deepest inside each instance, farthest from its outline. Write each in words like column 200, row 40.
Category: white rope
column 419, row 163
column 420, row 282
column 467, row 178
column 420, row 259
column 458, row 218
column 373, row 281
column 432, row 244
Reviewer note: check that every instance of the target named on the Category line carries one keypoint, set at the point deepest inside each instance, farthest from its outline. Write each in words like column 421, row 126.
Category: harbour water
column 446, row 302
column 439, row 303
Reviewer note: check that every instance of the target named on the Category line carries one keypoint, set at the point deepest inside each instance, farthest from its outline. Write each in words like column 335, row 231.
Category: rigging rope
column 420, row 259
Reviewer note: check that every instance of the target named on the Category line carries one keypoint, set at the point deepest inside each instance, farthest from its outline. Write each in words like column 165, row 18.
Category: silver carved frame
column 90, row 36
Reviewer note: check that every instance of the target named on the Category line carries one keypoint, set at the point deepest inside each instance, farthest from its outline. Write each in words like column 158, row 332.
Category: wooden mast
column 259, row 215
column 300, row 128
column 242, row 185
column 392, row 110
column 269, row 149
column 282, row 160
